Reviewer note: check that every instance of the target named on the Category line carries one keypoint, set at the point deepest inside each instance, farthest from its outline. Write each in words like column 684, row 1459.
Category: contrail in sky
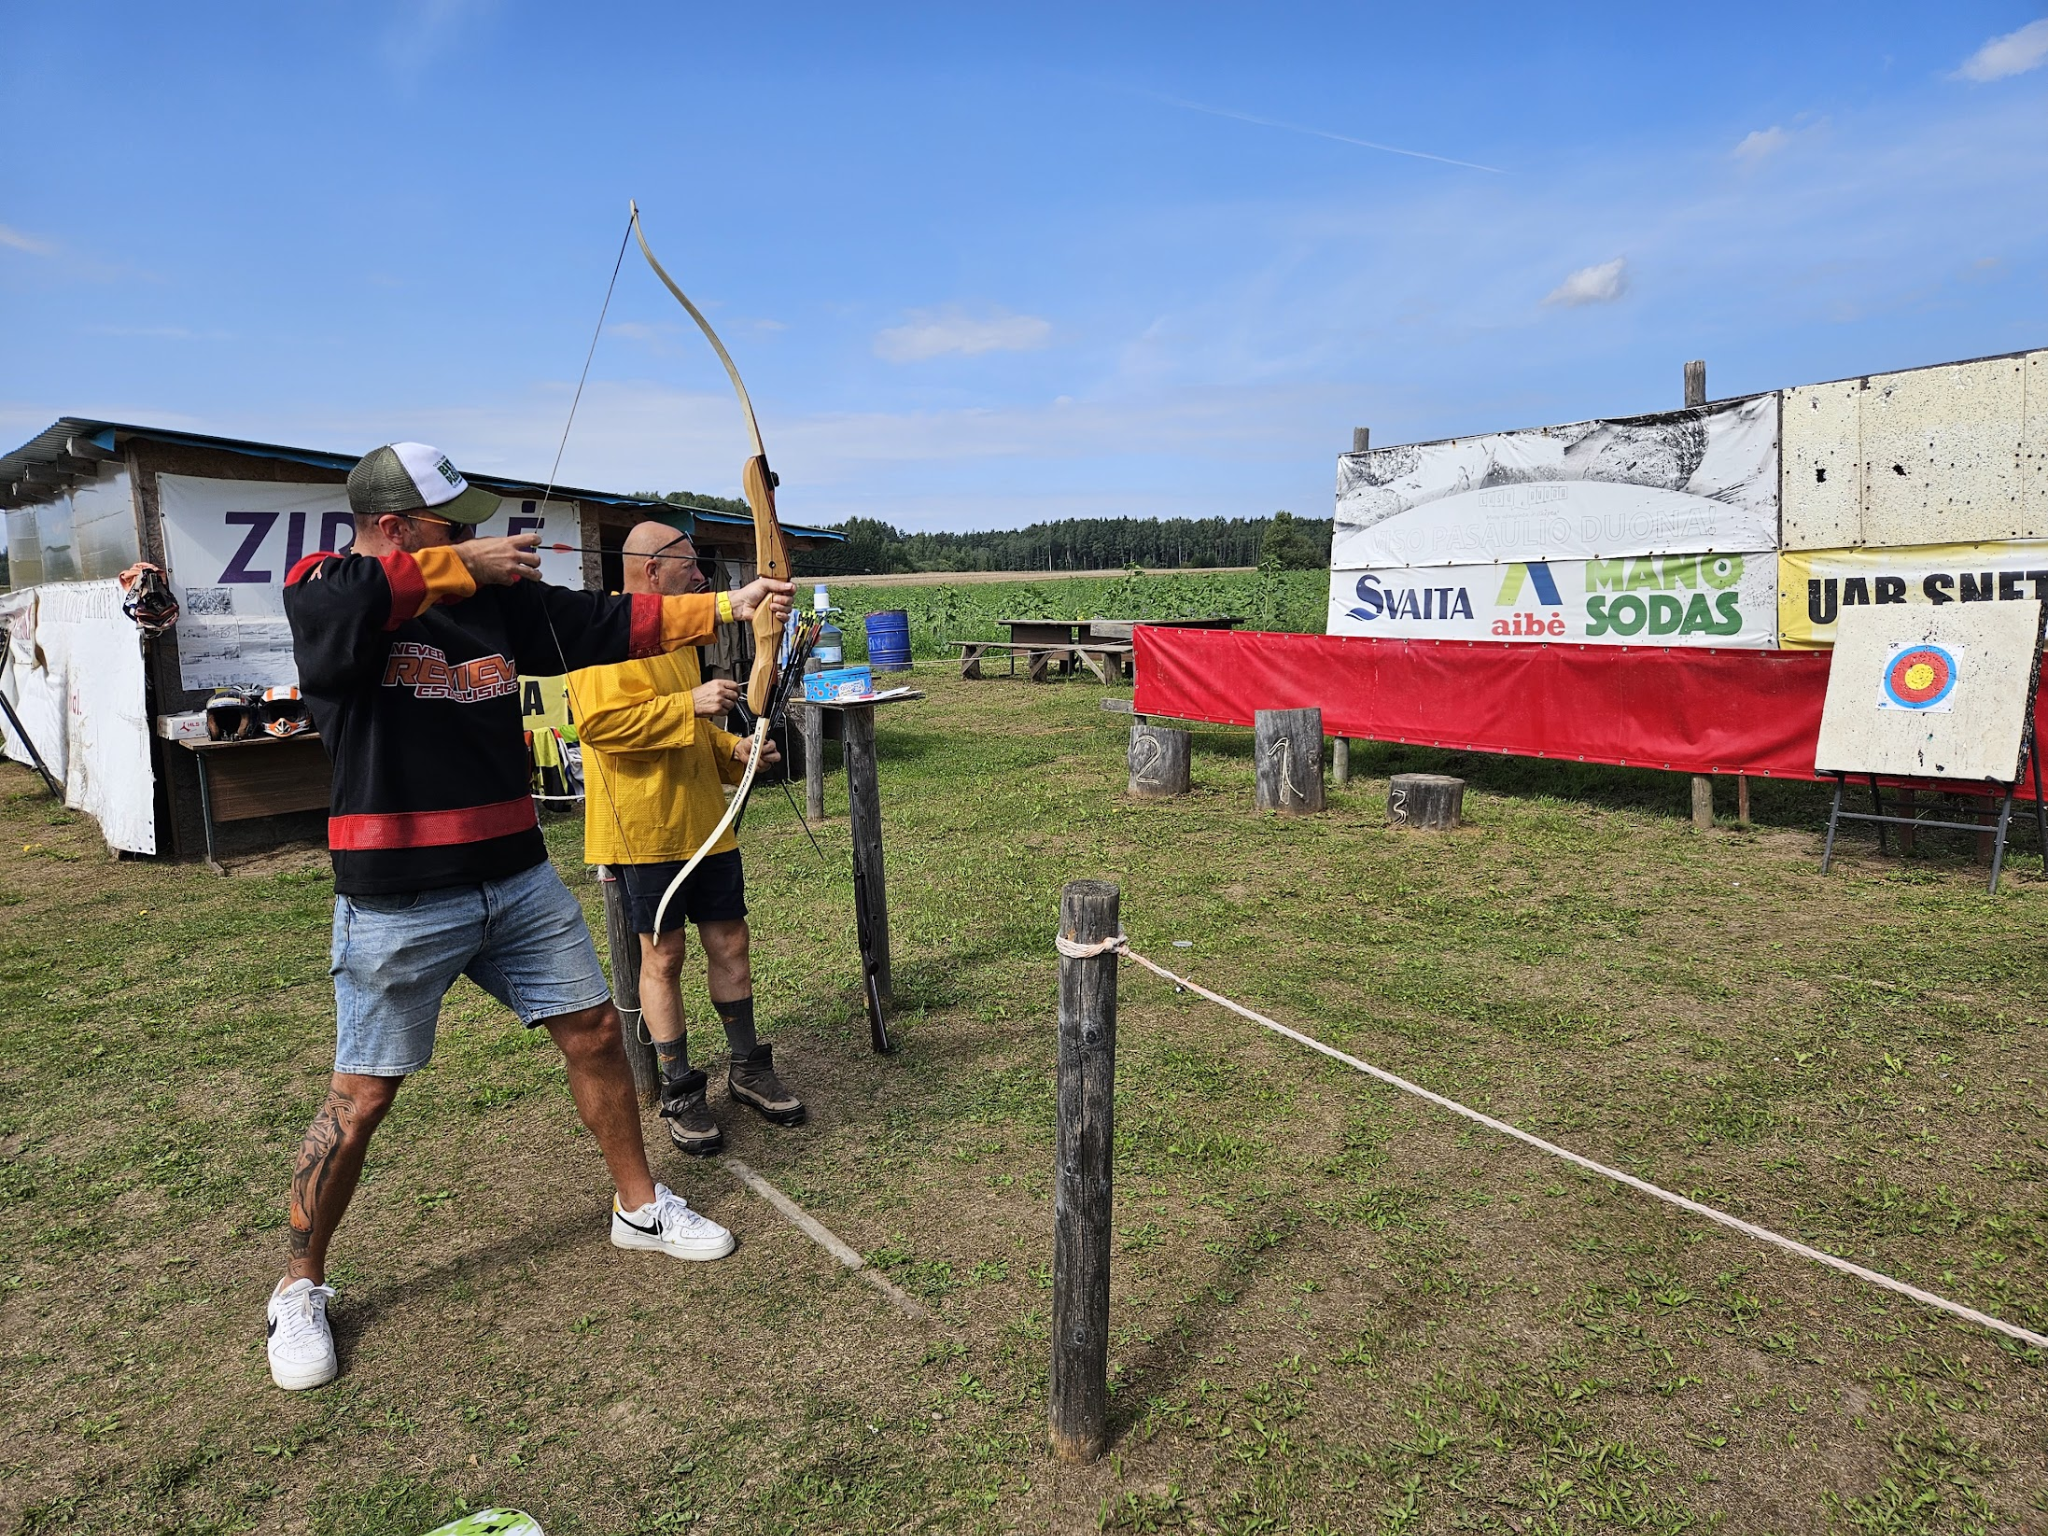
column 1321, row 133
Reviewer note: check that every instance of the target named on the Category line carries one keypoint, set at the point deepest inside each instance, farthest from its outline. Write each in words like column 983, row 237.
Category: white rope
column 1748, row 1229
column 1074, row 951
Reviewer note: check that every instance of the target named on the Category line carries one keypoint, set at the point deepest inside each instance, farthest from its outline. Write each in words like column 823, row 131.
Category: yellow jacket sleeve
column 618, row 711
column 722, row 743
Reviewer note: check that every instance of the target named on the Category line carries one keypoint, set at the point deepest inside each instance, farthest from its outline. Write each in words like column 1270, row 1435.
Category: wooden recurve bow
column 771, row 559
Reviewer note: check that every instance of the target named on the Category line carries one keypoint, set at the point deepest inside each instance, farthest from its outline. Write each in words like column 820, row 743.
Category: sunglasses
column 458, row 533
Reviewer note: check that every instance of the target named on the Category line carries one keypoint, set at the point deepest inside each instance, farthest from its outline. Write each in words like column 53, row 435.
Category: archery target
column 1921, row 676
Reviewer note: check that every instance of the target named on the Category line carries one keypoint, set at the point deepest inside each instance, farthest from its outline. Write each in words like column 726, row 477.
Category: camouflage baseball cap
column 411, row 477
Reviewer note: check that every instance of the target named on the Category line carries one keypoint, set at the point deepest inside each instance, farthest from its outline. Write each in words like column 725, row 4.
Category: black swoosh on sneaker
column 652, row 1229
column 270, row 1332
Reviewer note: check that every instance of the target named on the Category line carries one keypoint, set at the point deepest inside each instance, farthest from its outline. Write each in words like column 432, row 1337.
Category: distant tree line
column 872, row 548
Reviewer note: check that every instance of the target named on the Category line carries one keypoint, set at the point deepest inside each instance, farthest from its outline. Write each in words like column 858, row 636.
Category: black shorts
column 716, row 891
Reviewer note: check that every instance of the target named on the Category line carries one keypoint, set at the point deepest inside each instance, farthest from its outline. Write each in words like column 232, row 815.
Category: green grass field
column 1285, row 600
column 1334, row 1309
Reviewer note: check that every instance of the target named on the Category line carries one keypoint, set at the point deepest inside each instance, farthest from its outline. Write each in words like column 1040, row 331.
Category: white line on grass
column 818, row 1233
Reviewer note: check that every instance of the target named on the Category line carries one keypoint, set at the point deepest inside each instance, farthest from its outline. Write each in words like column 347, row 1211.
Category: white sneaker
column 667, row 1225
column 301, row 1343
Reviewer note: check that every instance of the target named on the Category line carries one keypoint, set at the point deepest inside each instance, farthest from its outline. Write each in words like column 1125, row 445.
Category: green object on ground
column 491, row 1522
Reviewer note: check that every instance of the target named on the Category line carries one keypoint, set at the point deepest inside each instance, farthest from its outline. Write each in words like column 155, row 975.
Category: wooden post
column 1081, row 1176
column 1287, row 749
column 1361, row 439
column 624, row 944
column 1434, row 801
column 1159, row 760
column 1340, row 760
column 864, row 813
column 1702, row 786
column 1742, row 799
column 813, row 721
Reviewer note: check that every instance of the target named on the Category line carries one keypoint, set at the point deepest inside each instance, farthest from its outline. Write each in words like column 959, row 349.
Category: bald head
column 659, row 559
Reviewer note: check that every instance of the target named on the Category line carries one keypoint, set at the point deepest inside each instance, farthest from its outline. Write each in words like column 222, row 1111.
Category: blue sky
column 982, row 265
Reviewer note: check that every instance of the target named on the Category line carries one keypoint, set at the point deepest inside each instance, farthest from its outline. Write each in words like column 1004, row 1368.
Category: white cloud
column 935, row 332
column 1592, row 285
column 14, row 239
column 2013, row 54
column 1761, row 144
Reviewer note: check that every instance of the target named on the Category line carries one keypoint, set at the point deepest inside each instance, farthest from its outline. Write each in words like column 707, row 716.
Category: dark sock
column 674, row 1057
column 738, row 1018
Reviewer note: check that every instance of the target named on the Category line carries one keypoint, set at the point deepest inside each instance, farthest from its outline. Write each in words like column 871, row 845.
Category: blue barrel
column 889, row 641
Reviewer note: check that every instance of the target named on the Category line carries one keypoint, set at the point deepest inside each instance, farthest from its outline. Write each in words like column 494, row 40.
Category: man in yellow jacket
column 654, row 773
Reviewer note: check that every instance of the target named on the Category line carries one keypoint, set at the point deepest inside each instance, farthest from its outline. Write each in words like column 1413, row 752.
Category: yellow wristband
column 725, row 608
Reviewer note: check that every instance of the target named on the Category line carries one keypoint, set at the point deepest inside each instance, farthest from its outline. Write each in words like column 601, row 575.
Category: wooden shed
column 226, row 519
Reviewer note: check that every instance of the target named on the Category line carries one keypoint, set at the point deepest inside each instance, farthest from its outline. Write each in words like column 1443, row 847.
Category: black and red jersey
column 411, row 672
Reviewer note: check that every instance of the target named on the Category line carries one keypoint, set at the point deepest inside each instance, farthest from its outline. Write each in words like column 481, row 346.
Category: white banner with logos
column 1695, row 599
column 73, row 671
column 1688, row 481
column 229, row 544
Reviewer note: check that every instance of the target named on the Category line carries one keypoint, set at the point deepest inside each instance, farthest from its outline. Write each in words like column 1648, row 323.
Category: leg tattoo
column 314, row 1176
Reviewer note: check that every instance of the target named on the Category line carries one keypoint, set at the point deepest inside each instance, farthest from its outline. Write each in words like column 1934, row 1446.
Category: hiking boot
column 301, row 1345
column 751, row 1081
column 690, row 1125
column 666, row 1224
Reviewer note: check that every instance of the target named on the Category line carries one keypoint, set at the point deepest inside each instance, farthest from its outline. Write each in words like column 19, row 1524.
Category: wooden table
column 1120, row 629
column 863, row 801
column 1103, row 646
column 1104, row 659
column 263, row 776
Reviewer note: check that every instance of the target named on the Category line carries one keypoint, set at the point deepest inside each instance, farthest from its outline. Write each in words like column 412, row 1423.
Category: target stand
column 1934, row 697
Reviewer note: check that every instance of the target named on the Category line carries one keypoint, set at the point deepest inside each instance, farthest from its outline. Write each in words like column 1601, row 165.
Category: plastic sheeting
column 1692, row 711
column 74, row 673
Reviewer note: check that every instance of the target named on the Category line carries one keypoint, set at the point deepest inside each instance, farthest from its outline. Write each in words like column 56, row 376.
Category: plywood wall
column 1949, row 455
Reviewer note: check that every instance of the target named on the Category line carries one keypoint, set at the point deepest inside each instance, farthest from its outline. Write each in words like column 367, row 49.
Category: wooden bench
column 1105, row 659
column 264, row 776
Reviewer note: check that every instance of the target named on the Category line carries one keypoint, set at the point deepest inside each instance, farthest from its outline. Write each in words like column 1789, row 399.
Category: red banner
column 1689, row 710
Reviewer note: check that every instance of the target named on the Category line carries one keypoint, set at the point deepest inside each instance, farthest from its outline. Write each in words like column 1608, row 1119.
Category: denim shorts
column 522, row 939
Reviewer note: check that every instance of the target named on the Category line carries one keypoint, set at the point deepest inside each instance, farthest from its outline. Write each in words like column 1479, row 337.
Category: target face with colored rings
column 1920, row 676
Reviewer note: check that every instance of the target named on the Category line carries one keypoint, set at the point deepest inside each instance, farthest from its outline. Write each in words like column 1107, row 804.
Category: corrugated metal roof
column 23, row 472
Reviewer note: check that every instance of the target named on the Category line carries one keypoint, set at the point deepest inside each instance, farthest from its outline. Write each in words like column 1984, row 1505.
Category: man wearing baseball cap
column 409, row 650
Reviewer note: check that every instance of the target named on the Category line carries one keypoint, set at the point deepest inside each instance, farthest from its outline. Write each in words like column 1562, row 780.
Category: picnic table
column 1103, row 646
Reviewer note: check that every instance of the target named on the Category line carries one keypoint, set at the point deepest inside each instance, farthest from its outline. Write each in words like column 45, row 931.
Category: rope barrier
column 1119, row 945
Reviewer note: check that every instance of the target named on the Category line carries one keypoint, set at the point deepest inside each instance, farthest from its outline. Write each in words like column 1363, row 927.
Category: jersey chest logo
column 426, row 670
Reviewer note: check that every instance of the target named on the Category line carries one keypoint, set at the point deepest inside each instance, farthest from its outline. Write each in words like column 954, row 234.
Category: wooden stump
column 1702, row 803
column 1429, row 800
column 1159, row 760
column 624, row 944
column 1085, row 1137
column 1287, row 751
column 1340, row 760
